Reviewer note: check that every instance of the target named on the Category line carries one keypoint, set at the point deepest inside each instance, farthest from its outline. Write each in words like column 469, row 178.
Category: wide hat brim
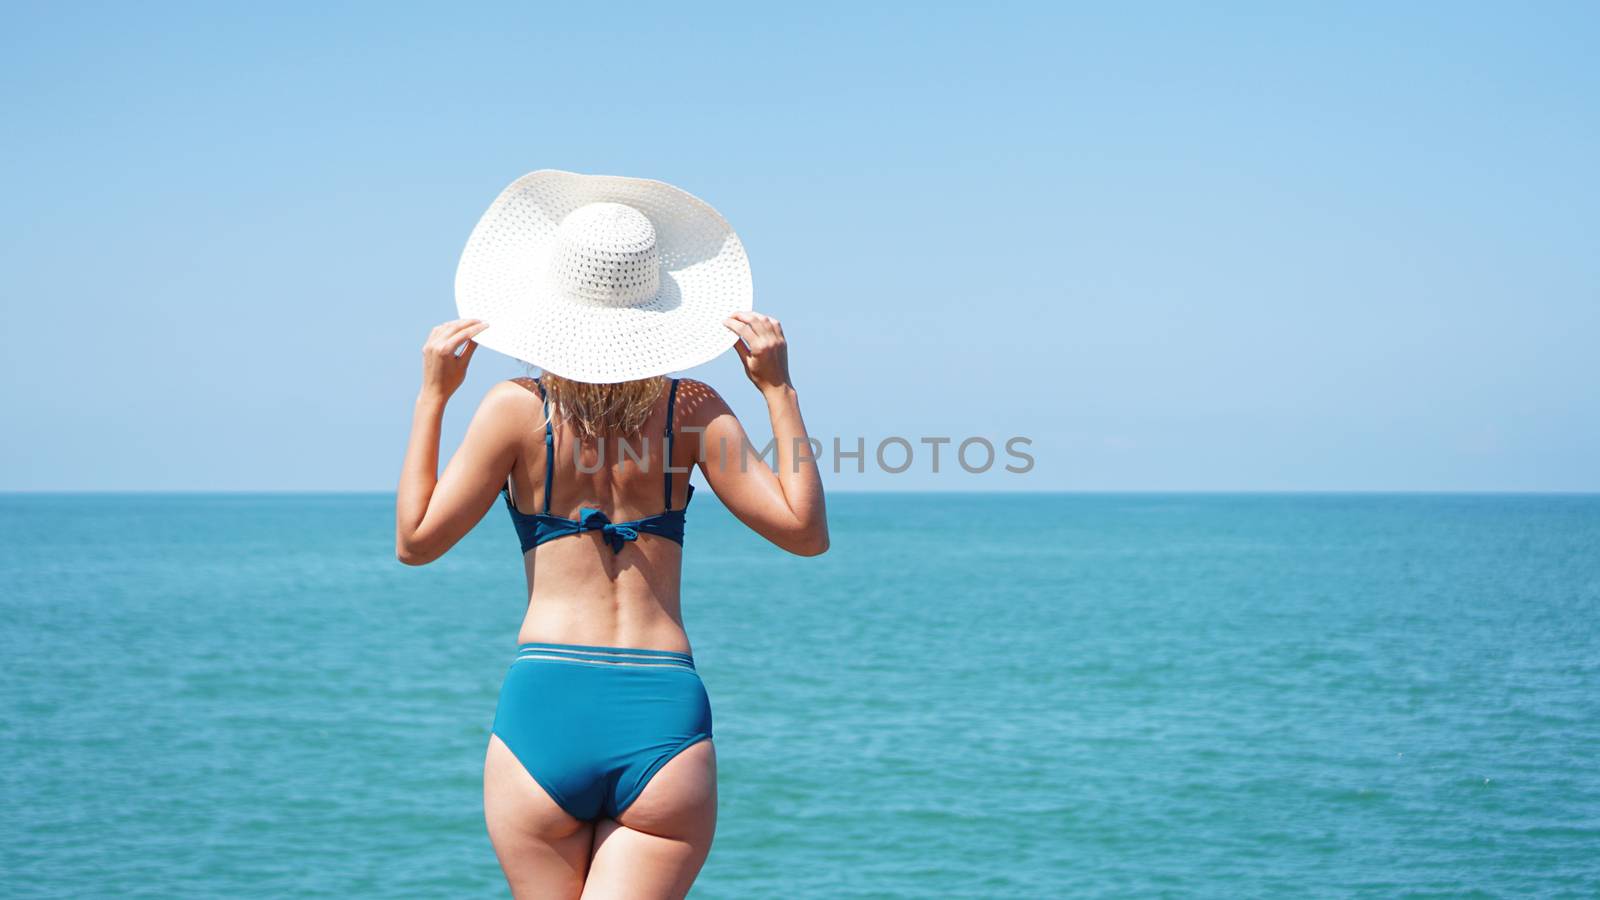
column 501, row 279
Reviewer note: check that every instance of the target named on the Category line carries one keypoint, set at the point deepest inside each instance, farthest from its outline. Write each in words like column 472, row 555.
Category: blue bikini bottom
column 592, row 725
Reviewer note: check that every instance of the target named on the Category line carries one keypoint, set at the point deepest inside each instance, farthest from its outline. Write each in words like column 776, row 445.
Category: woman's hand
column 443, row 369
column 764, row 351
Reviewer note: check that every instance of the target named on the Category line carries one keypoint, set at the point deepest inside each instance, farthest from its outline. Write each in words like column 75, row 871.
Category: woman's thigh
column 655, row 847
column 543, row 850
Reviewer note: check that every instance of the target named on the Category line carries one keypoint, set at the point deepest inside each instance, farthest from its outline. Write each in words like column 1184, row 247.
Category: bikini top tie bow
column 591, row 519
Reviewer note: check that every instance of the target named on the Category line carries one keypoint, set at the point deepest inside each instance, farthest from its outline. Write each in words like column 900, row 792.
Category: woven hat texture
column 602, row 278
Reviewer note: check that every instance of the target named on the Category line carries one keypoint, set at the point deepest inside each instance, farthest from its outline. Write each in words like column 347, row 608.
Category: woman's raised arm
column 785, row 507
column 433, row 512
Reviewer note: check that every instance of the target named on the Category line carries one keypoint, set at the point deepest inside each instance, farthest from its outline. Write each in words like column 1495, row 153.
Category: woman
column 600, row 775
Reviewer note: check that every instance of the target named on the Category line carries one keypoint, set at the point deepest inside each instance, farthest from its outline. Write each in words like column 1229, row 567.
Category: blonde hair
column 594, row 410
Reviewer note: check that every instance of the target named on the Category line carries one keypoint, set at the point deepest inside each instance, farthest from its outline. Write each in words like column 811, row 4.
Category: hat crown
column 604, row 254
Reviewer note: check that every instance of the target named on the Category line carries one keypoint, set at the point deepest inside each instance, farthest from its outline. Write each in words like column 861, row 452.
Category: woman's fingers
column 744, row 330
column 765, row 328
column 453, row 325
column 445, row 327
column 467, row 333
column 757, row 320
column 447, row 338
column 446, row 353
column 764, row 353
column 465, row 329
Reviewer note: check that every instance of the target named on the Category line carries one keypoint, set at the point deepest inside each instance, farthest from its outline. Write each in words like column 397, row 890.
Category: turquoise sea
column 968, row 696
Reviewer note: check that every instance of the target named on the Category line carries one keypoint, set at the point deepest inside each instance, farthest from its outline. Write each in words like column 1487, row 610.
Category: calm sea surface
column 968, row 696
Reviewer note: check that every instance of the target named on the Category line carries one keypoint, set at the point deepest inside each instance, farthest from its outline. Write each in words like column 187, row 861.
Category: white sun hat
column 601, row 278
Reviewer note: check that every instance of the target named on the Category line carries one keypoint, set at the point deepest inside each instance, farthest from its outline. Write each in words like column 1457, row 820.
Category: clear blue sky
column 1259, row 247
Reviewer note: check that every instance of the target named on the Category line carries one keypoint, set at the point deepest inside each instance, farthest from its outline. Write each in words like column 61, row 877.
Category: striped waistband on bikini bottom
column 616, row 656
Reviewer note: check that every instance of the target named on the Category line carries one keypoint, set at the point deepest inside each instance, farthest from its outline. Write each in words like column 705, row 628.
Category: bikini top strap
column 549, row 448
column 666, row 467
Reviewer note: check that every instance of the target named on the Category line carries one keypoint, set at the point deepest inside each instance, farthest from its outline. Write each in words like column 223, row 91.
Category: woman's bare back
column 580, row 591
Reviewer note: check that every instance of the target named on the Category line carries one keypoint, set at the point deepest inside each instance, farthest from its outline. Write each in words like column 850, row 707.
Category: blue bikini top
column 537, row 528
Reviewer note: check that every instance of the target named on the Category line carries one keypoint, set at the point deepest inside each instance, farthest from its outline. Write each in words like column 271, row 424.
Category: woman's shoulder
column 525, row 384
column 698, row 402
column 512, row 390
column 511, row 397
